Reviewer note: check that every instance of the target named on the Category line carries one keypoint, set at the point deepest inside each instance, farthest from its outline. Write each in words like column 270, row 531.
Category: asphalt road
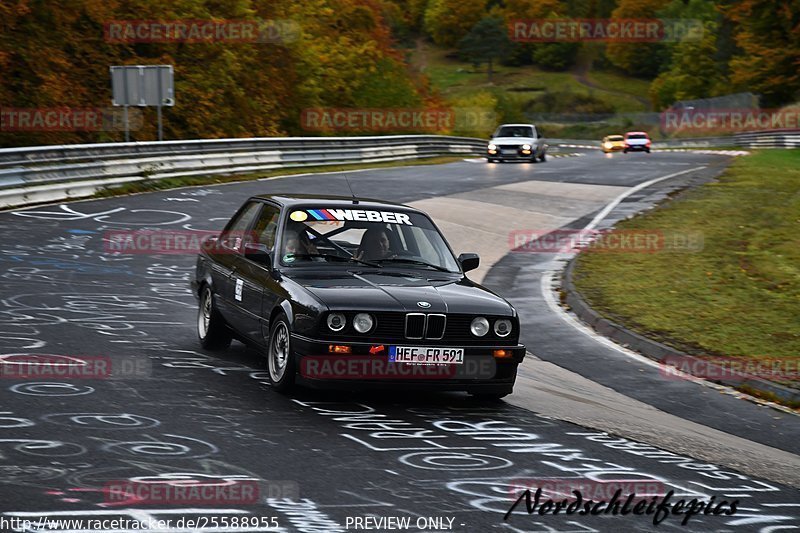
column 322, row 461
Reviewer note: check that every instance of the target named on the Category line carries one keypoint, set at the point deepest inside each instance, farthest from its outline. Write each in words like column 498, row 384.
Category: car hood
column 379, row 291
column 512, row 140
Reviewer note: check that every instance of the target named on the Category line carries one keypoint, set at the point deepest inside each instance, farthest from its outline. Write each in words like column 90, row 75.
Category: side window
column 266, row 227
column 233, row 235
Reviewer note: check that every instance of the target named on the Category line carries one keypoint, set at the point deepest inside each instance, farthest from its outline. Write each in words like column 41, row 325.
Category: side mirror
column 210, row 244
column 469, row 261
column 258, row 253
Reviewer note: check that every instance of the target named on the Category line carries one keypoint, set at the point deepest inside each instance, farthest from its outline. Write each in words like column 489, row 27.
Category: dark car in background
column 354, row 294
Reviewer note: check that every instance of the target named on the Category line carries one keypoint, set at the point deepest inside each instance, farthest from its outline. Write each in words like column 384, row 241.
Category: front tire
column 280, row 359
column 543, row 157
column 211, row 328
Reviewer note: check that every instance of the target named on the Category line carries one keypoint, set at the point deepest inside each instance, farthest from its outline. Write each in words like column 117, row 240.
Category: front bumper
column 480, row 372
column 614, row 148
column 509, row 155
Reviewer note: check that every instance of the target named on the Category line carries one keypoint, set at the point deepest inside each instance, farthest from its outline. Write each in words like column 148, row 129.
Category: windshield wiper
column 415, row 262
column 338, row 258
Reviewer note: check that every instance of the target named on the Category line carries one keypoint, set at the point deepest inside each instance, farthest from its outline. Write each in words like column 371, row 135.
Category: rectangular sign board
column 143, row 85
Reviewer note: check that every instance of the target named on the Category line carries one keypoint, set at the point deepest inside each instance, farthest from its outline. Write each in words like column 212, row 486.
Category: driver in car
column 296, row 242
column 374, row 245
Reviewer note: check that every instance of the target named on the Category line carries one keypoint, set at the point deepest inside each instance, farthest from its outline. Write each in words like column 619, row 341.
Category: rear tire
column 211, row 328
column 280, row 359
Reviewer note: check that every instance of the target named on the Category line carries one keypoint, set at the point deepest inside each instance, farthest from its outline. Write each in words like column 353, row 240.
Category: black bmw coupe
column 353, row 294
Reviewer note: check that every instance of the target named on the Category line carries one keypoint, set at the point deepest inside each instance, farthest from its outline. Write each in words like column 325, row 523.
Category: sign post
column 143, row 86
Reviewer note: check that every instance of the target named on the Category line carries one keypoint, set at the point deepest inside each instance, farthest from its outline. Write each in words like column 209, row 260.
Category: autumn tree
column 637, row 58
column 447, row 21
column 768, row 34
column 693, row 73
column 487, row 41
column 55, row 54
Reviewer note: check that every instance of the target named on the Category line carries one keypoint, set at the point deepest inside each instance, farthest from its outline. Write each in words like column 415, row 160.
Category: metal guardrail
column 769, row 139
column 51, row 173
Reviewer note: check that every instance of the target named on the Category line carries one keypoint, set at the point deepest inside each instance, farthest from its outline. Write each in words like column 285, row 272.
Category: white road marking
column 616, row 201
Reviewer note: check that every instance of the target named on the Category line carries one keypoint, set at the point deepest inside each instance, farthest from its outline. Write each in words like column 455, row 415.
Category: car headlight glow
column 502, row 327
column 492, row 147
column 608, row 145
column 336, row 321
column 363, row 322
column 526, row 146
column 479, row 326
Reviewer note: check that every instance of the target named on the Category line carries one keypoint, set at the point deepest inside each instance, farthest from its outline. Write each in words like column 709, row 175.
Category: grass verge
column 740, row 296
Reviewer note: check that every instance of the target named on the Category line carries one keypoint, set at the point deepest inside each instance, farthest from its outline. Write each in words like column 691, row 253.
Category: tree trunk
column 489, row 70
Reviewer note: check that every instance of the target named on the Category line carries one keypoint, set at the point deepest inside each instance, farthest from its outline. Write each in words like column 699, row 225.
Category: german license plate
column 422, row 355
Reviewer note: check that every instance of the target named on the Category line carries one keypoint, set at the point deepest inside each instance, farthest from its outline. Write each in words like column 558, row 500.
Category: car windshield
column 637, row 136
column 615, row 138
column 372, row 237
column 514, row 131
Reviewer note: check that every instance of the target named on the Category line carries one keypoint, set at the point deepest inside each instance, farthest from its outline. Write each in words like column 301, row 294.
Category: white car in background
column 516, row 142
column 637, row 141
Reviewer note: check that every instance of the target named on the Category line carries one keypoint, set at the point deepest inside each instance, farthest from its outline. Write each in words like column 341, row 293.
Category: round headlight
column 336, row 321
column 526, row 146
column 502, row 327
column 363, row 322
column 479, row 326
column 492, row 147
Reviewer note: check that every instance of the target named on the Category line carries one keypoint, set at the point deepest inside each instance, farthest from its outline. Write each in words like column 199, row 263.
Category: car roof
column 503, row 125
column 290, row 200
column 636, row 133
